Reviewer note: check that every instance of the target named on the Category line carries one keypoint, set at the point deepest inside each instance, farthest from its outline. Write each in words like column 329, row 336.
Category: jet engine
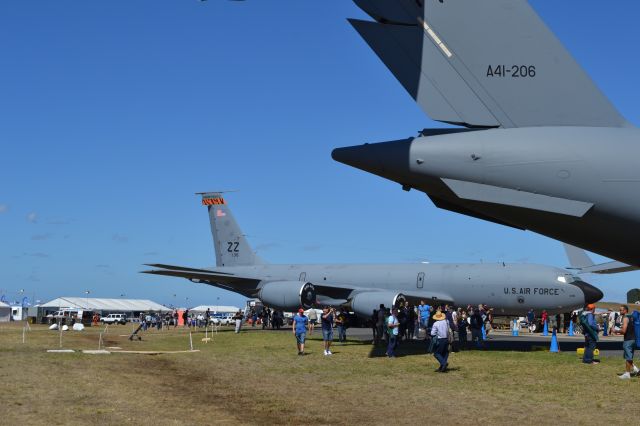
column 288, row 295
column 364, row 303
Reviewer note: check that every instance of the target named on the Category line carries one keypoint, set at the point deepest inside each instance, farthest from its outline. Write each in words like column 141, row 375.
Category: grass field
column 257, row 377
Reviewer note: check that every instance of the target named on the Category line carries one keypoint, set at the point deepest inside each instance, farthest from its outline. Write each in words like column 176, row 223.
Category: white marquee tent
column 104, row 305
column 216, row 309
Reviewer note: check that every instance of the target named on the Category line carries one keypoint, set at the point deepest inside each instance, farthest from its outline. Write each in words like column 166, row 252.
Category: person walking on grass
column 326, row 320
column 590, row 331
column 238, row 319
column 441, row 331
column 392, row 327
column 628, row 345
column 300, row 324
column 313, row 319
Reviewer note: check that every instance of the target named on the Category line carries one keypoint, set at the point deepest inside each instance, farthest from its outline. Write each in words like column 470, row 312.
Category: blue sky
column 114, row 112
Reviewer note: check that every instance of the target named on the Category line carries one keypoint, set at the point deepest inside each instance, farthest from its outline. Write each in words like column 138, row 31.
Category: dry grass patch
column 257, row 377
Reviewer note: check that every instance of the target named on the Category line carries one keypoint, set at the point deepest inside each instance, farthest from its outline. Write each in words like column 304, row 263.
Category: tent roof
column 4, row 305
column 215, row 308
column 124, row 305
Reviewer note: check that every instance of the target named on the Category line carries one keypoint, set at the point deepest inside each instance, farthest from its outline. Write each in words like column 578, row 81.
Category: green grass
column 257, row 377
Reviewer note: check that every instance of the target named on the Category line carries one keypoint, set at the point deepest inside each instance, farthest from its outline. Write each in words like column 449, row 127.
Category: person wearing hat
column 590, row 331
column 300, row 323
column 440, row 331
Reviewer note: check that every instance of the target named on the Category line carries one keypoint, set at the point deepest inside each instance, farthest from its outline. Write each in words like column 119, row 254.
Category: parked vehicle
column 114, row 319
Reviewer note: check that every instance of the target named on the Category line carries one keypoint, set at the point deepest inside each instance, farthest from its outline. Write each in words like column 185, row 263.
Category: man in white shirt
column 440, row 330
column 392, row 327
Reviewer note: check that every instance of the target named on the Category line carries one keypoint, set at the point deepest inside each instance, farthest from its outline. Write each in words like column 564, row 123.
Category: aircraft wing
column 224, row 280
column 580, row 261
column 490, row 63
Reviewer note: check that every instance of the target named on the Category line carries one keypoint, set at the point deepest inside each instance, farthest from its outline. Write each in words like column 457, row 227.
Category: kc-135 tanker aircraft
column 540, row 148
column 509, row 288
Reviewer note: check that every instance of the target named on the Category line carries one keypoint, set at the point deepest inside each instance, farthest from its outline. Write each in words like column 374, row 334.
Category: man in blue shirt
column 300, row 323
column 424, row 311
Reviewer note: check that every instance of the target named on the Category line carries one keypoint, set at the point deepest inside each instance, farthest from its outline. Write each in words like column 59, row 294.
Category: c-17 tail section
column 489, row 63
column 230, row 244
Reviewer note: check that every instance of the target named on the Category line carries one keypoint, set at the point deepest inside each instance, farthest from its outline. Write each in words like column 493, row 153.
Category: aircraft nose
column 591, row 294
column 387, row 159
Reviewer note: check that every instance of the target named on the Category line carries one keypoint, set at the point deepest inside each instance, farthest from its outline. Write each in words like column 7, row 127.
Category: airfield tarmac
column 256, row 377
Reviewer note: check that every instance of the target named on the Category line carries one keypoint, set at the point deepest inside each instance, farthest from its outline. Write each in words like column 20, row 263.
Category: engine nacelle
column 288, row 295
column 364, row 303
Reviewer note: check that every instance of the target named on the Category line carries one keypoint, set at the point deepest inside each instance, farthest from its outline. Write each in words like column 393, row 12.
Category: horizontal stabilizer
column 397, row 11
column 511, row 197
column 425, row 73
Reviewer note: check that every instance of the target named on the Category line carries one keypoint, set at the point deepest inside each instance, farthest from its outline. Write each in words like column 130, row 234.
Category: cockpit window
column 567, row 278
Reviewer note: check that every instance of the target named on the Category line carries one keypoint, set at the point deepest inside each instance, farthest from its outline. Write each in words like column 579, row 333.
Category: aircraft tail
column 230, row 244
column 490, row 63
column 580, row 260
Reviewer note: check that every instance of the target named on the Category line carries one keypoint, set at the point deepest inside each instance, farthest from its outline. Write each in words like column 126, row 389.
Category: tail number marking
column 232, row 247
column 514, row 71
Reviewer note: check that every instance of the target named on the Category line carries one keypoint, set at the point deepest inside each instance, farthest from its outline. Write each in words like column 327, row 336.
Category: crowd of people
column 443, row 328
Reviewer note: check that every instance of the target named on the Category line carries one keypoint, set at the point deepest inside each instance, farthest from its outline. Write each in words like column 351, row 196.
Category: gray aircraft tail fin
column 578, row 258
column 230, row 244
column 489, row 63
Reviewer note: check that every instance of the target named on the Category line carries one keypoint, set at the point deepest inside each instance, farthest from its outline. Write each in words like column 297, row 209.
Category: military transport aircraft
column 541, row 147
column 509, row 288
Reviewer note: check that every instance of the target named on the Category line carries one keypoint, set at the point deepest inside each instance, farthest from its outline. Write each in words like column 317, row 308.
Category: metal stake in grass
column 190, row 340
column 100, row 342
column 60, row 328
column 23, row 330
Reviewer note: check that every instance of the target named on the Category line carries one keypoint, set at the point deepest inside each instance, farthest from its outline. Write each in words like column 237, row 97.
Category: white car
column 114, row 319
column 223, row 320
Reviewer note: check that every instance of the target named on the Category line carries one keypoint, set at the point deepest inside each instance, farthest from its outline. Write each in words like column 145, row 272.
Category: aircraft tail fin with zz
column 483, row 64
column 230, row 244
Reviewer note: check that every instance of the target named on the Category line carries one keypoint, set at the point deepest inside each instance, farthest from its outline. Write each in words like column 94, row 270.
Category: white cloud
column 32, row 217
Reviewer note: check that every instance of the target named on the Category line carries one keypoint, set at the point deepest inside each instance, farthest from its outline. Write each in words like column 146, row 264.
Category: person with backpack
column 590, row 331
column 629, row 343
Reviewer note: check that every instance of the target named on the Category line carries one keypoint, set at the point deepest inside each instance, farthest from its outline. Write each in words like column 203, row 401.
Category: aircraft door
column 420, row 281
column 303, row 276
